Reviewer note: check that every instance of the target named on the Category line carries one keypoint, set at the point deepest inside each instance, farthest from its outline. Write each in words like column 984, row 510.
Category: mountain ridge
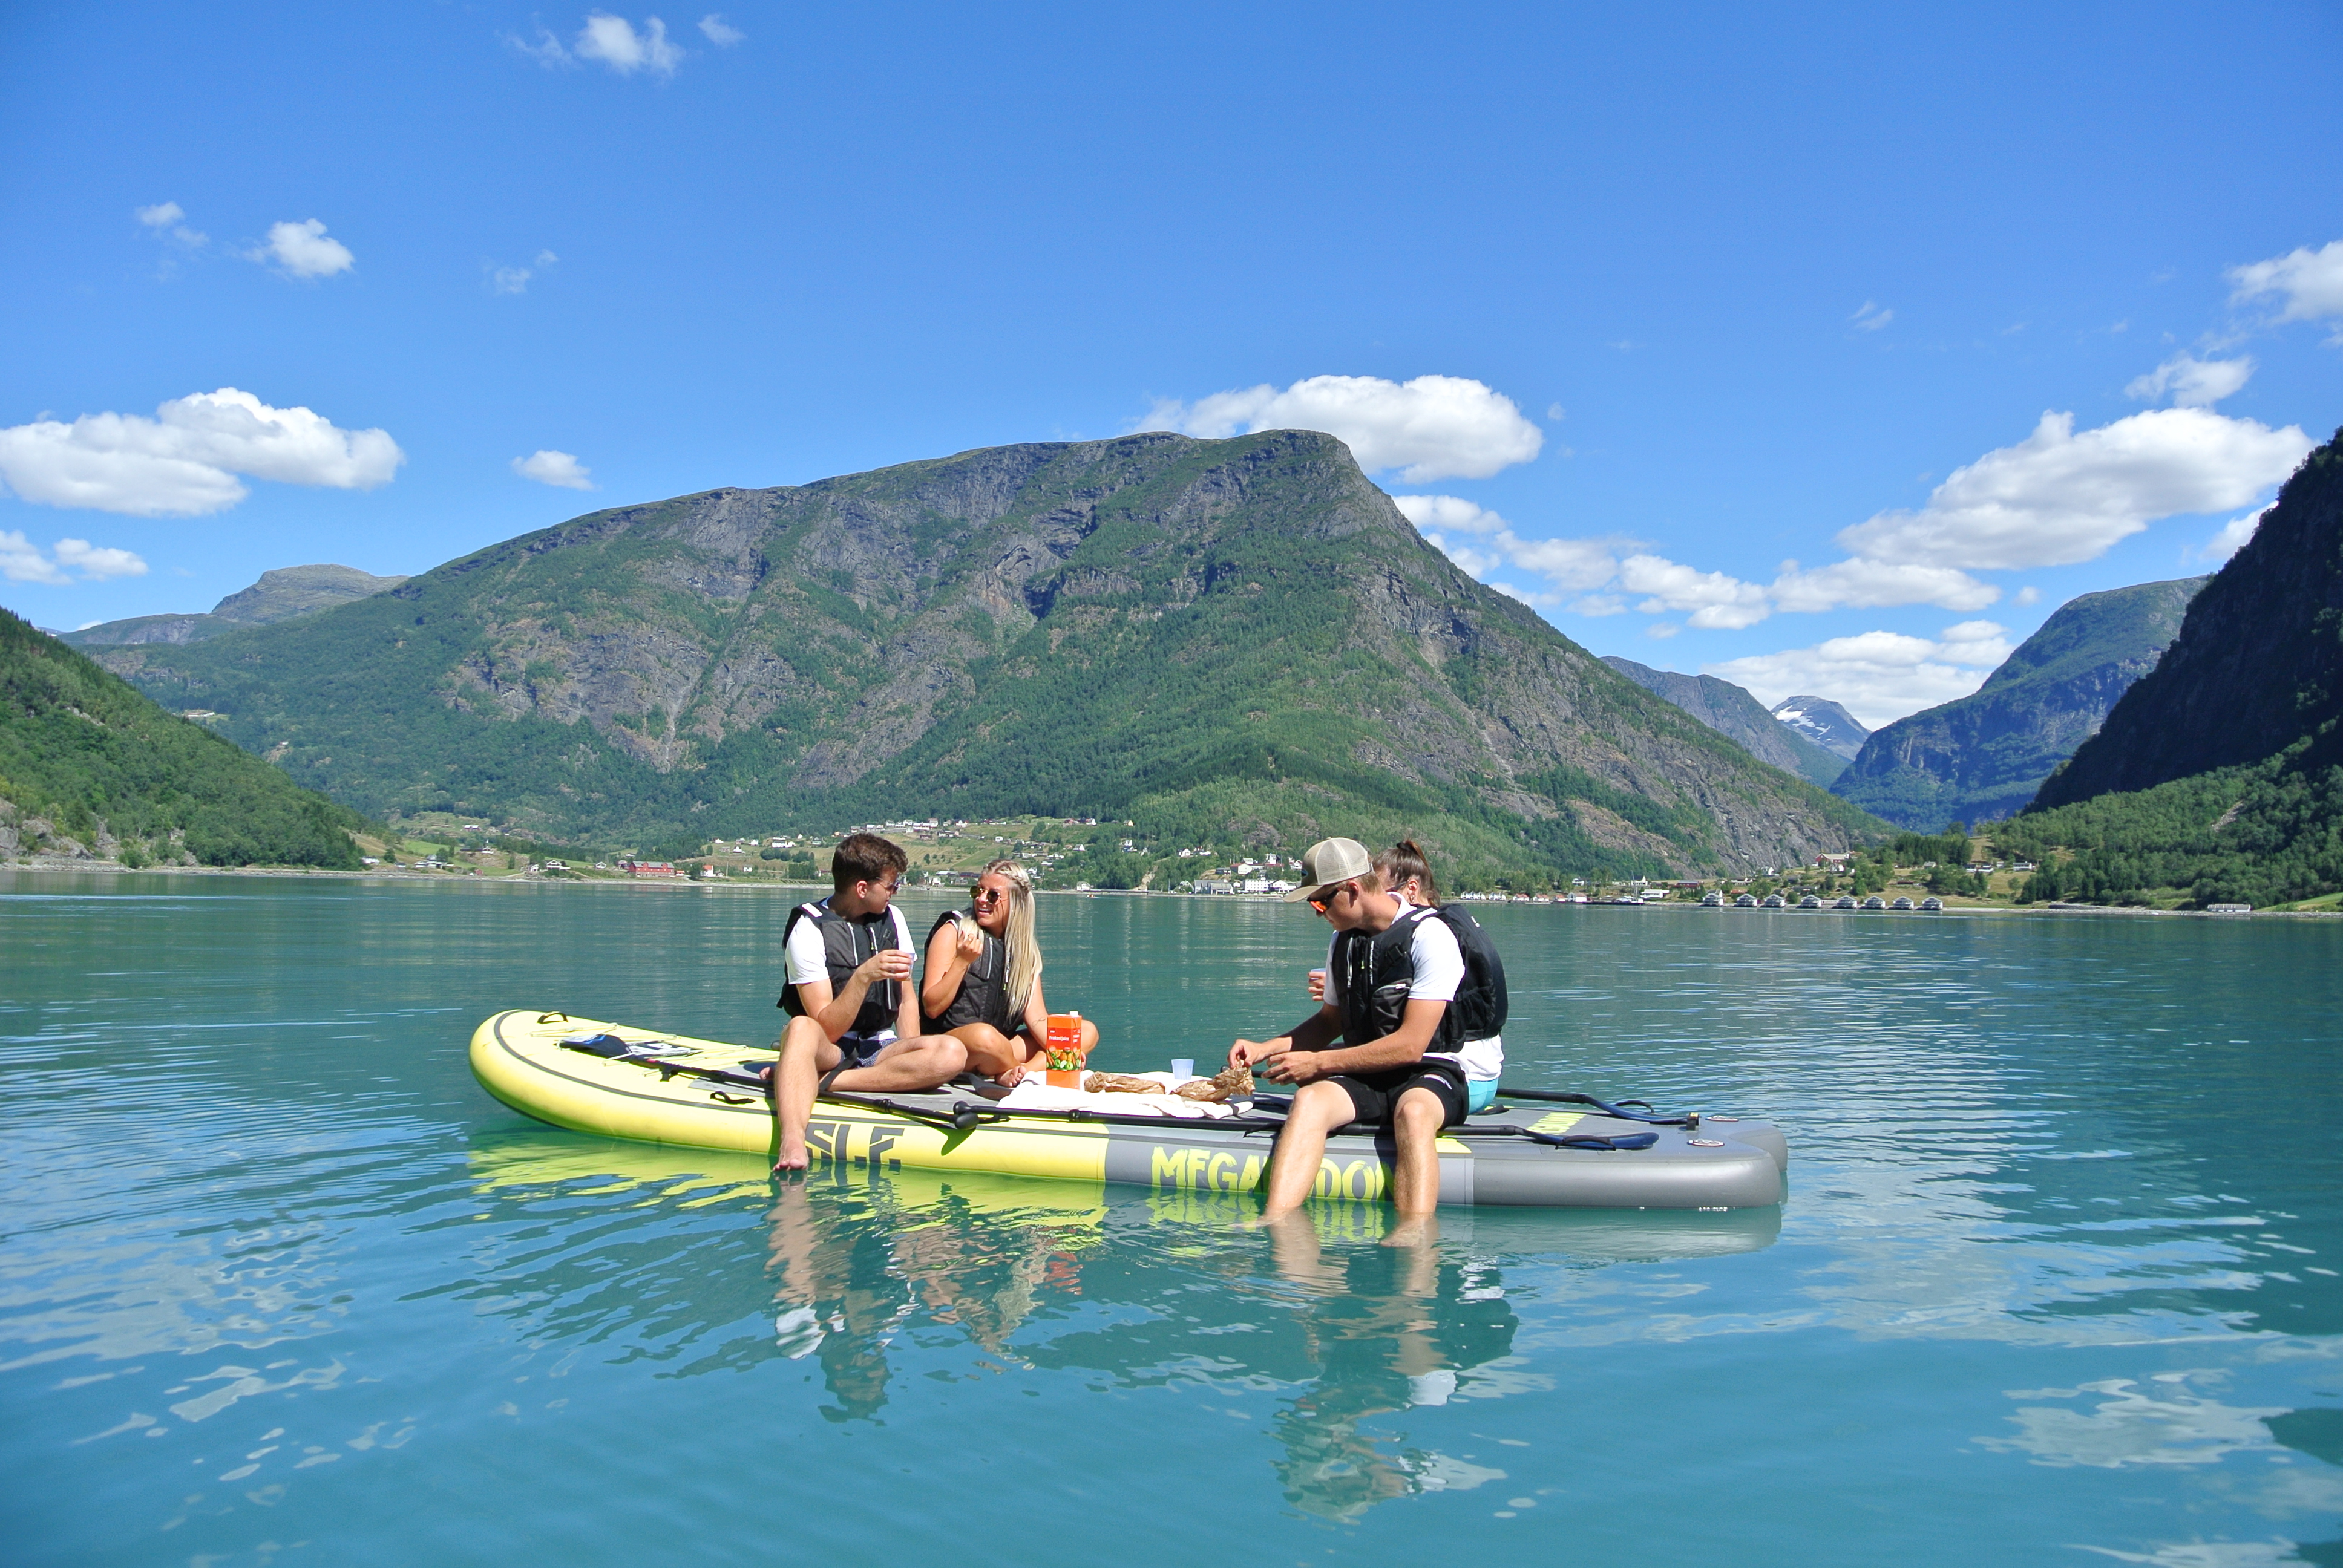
column 1983, row 757
column 1733, row 712
column 86, row 763
column 2219, row 775
column 278, row 595
column 1238, row 638
column 1822, row 722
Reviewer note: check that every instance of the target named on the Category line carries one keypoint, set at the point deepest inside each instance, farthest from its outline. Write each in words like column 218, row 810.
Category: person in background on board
column 1480, row 1003
column 1382, row 1048
column 983, row 981
column 854, row 1017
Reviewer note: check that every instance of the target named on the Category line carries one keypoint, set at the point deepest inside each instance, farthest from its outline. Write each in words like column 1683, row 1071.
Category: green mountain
column 2220, row 774
column 279, row 595
column 1734, row 713
column 85, row 758
column 1237, row 642
column 1984, row 755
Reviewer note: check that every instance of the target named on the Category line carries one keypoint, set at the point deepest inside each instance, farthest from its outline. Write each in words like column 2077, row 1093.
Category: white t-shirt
column 1439, row 971
column 807, row 962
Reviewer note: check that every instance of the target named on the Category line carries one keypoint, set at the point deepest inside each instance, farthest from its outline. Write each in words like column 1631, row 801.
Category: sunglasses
column 989, row 895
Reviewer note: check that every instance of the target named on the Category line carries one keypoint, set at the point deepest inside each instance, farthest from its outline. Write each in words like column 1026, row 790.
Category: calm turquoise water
column 2056, row 1277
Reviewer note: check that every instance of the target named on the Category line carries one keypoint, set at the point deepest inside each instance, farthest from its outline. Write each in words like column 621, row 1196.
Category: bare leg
column 992, row 1053
column 1416, row 1122
column 1293, row 1243
column 806, row 1054
column 1318, row 1109
column 923, row 1062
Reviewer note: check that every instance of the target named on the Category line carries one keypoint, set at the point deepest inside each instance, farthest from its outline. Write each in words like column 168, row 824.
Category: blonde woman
column 983, row 984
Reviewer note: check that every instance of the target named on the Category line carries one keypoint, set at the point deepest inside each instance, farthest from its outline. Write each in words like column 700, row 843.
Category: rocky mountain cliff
column 2257, row 665
column 1823, row 723
column 279, row 595
column 1740, row 718
column 1981, row 757
column 1212, row 638
column 2219, row 776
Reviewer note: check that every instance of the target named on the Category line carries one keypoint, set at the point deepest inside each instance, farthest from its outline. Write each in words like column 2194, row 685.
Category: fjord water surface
column 2056, row 1281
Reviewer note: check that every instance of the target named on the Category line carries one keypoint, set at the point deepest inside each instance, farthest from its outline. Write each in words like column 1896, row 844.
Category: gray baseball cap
column 1330, row 860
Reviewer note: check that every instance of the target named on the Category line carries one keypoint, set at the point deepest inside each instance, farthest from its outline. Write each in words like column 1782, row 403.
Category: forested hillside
column 96, row 761
column 1220, row 641
column 2220, row 775
column 1985, row 754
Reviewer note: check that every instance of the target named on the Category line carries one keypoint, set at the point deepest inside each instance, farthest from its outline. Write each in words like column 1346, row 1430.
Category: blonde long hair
column 1017, row 936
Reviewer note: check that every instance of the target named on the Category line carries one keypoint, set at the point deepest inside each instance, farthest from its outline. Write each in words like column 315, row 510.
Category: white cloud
column 2311, row 281
column 1663, row 629
column 1871, row 317
column 719, row 32
column 509, row 280
column 614, row 41
column 2026, row 595
column 2234, row 535
column 304, row 249
column 98, row 562
column 546, row 51
column 1878, row 676
column 1874, row 585
column 1432, row 427
column 1480, row 542
column 1569, row 565
column 560, row 469
column 2057, row 497
column 22, row 561
column 185, row 461
column 2193, row 382
column 169, row 215
column 1715, row 600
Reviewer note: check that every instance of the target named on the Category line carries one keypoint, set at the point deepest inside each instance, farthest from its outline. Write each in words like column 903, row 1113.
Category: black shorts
column 1373, row 1095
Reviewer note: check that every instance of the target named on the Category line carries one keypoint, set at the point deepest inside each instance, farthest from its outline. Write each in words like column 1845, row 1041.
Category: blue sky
column 1698, row 290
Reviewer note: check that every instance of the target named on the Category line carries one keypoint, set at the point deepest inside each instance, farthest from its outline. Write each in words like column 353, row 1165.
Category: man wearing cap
column 1382, row 1047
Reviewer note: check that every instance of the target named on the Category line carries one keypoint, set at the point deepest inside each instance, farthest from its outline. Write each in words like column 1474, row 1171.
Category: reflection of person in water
column 840, row 1296
column 1388, row 1329
column 846, row 1279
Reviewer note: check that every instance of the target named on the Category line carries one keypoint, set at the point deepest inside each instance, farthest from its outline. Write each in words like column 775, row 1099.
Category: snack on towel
column 1119, row 1083
column 1229, row 1083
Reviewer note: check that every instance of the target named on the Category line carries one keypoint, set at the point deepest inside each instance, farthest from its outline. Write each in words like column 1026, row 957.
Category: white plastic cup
column 1184, row 1067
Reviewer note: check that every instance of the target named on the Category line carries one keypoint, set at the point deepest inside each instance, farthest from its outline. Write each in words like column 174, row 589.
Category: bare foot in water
column 1414, row 1230
column 790, row 1164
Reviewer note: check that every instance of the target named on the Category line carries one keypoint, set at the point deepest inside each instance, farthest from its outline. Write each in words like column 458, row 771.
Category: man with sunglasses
column 1382, row 1047
column 854, row 1014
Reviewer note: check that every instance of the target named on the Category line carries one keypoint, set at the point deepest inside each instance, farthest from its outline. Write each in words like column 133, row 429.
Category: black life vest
column 1481, row 1005
column 1377, row 969
column 846, row 946
column 983, row 995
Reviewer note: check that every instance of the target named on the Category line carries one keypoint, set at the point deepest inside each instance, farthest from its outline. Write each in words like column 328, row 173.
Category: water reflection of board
column 521, row 1059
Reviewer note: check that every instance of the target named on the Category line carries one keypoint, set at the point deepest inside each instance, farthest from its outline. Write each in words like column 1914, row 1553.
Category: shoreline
column 538, row 879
